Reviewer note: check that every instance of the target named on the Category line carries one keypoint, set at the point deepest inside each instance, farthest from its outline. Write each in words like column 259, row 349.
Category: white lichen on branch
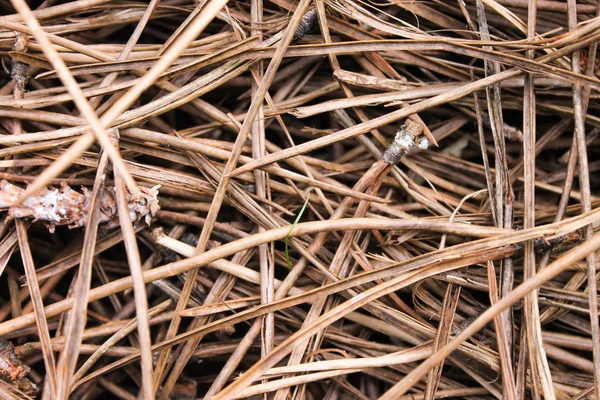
column 407, row 140
column 65, row 206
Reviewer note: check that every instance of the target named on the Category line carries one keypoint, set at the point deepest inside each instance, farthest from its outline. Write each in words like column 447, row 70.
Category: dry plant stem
column 139, row 288
column 305, row 25
column 219, row 291
column 579, row 110
column 319, row 180
column 58, row 10
column 209, row 11
column 509, row 389
column 442, row 336
column 197, row 103
column 521, row 372
column 484, row 156
column 223, row 183
column 8, row 392
column 551, row 271
column 479, row 251
column 400, row 357
column 205, row 165
column 311, row 257
column 406, row 140
column 77, row 317
column 290, row 279
column 106, row 329
column 552, row 312
column 109, row 79
column 496, row 124
column 249, row 315
column 374, row 123
column 19, row 75
column 72, row 258
column 375, row 99
column 82, row 104
column 256, row 371
column 240, row 199
column 502, row 193
column 227, row 305
column 226, row 250
column 189, row 165
column 549, row 6
column 235, row 154
column 300, row 229
column 115, row 389
column 186, row 292
column 538, row 363
column 584, row 394
column 449, row 305
column 13, row 290
column 286, row 383
column 181, row 28
column 234, row 359
column 212, row 8
column 267, row 268
column 38, row 307
column 374, row 178
column 126, row 51
column 286, row 286
column 336, row 67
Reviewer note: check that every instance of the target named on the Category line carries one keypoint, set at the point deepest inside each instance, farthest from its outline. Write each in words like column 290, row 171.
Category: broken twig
column 66, row 206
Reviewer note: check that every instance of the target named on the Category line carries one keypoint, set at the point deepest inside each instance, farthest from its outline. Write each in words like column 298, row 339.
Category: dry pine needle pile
column 312, row 199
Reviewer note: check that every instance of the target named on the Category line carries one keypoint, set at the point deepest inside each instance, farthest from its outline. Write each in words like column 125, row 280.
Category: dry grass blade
column 365, row 297
column 537, row 280
column 451, row 95
column 579, row 109
column 139, row 288
column 508, row 387
column 236, row 152
column 465, row 270
column 77, row 317
column 454, row 260
column 123, row 332
column 535, row 349
column 38, row 306
column 449, row 307
column 78, row 98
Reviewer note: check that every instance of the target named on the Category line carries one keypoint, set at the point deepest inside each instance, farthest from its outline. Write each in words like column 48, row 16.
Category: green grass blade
column 287, row 254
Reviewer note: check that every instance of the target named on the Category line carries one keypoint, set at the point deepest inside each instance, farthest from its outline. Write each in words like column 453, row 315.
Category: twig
column 65, row 206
